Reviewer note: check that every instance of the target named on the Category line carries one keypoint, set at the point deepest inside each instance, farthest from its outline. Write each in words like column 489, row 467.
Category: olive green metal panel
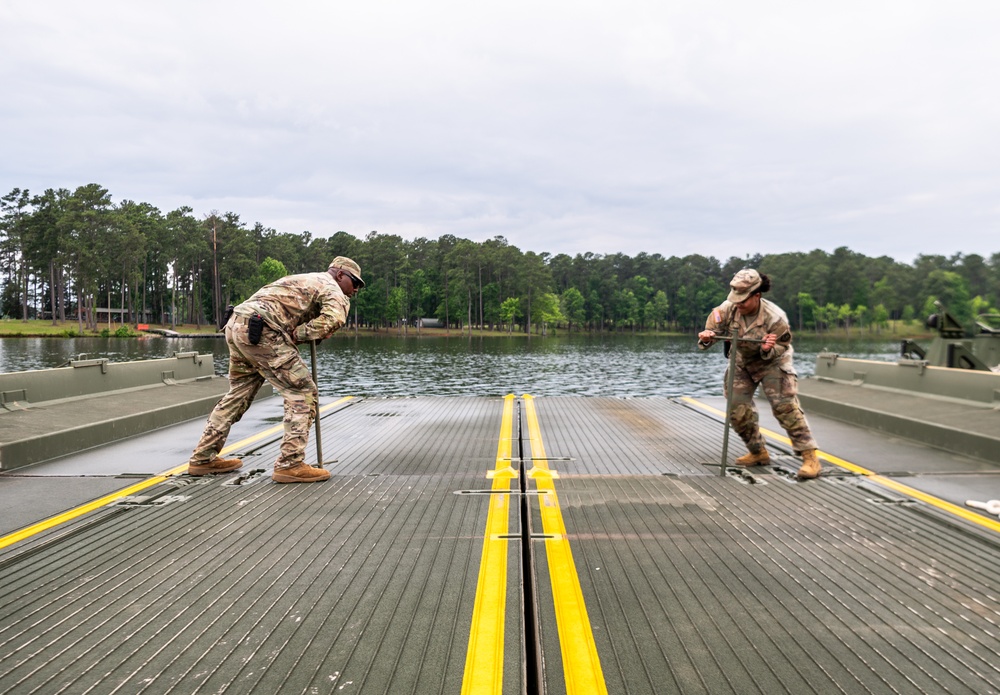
column 35, row 435
column 49, row 413
column 954, row 427
column 91, row 377
column 912, row 376
column 987, row 348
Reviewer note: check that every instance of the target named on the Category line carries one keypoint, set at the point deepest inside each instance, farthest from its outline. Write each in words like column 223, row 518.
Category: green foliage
column 658, row 311
column 510, row 311
column 844, row 315
column 951, row 290
column 981, row 305
column 421, row 296
column 880, row 316
column 67, row 254
column 546, row 310
column 806, row 310
column 372, row 302
column 625, row 308
column 396, row 304
column 268, row 271
column 10, row 302
column 573, row 307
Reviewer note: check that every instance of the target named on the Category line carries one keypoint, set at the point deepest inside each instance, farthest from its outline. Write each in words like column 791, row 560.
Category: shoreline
column 15, row 328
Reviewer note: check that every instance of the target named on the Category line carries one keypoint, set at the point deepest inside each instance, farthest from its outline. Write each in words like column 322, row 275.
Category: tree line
column 76, row 255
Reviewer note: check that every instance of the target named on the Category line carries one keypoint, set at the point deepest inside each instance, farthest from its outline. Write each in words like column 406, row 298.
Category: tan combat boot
column 216, row 465
column 300, row 474
column 752, row 459
column 810, row 465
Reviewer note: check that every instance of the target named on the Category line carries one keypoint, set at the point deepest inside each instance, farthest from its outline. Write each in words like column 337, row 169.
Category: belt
column 237, row 319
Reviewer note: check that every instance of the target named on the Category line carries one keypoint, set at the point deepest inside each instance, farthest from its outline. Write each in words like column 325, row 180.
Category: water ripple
column 622, row 366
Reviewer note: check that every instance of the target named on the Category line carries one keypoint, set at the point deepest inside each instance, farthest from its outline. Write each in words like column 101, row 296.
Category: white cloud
column 722, row 128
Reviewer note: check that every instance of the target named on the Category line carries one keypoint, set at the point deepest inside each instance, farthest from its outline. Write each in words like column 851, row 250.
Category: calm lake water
column 621, row 366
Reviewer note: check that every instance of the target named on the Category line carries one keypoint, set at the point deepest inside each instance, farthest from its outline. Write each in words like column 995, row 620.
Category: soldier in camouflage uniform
column 295, row 309
column 768, row 364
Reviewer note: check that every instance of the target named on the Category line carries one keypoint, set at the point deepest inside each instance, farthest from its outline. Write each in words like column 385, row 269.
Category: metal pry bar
column 730, row 377
column 319, row 436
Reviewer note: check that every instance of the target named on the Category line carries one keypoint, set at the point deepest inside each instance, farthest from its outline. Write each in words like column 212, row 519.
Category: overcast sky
column 722, row 128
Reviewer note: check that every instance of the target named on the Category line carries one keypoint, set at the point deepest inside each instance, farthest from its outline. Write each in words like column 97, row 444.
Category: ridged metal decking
column 638, row 570
column 701, row 584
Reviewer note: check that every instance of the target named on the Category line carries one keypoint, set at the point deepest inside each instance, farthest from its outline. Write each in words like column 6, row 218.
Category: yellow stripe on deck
column 873, row 476
column 484, row 657
column 581, row 663
column 34, row 529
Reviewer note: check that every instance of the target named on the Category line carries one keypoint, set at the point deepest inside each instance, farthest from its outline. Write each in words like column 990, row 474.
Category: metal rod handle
column 319, row 436
column 730, row 378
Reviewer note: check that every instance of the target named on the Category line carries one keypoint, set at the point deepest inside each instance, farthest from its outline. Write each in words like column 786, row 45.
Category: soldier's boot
column 300, row 474
column 761, row 458
column 216, row 465
column 810, row 465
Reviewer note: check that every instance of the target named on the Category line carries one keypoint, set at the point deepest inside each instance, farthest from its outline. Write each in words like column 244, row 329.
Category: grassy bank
column 69, row 329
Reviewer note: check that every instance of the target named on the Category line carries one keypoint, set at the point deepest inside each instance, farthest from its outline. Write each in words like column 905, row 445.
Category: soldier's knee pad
column 743, row 413
column 299, row 407
column 785, row 408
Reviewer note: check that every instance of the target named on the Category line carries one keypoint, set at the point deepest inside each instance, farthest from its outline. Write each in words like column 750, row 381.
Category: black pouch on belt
column 255, row 326
column 225, row 317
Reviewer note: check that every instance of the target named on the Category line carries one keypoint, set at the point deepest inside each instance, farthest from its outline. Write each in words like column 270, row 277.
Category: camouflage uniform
column 295, row 309
column 773, row 370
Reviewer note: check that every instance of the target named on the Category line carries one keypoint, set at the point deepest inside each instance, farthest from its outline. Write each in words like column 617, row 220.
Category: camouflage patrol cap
column 348, row 266
column 743, row 284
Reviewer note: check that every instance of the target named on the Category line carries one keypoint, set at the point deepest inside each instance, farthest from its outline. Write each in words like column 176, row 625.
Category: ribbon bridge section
column 505, row 545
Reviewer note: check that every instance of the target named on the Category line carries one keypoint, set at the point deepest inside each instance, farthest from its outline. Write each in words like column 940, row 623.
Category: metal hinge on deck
column 149, row 500
column 14, row 400
column 193, row 356
column 250, row 476
column 744, row 476
column 101, row 362
column 894, row 502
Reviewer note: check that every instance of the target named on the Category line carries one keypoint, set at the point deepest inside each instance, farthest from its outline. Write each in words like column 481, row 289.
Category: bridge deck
column 578, row 545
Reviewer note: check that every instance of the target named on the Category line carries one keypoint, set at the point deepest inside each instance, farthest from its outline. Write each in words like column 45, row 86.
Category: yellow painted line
column 874, row 477
column 484, row 656
column 29, row 531
column 52, row 522
column 581, row 663
column 941, row 504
